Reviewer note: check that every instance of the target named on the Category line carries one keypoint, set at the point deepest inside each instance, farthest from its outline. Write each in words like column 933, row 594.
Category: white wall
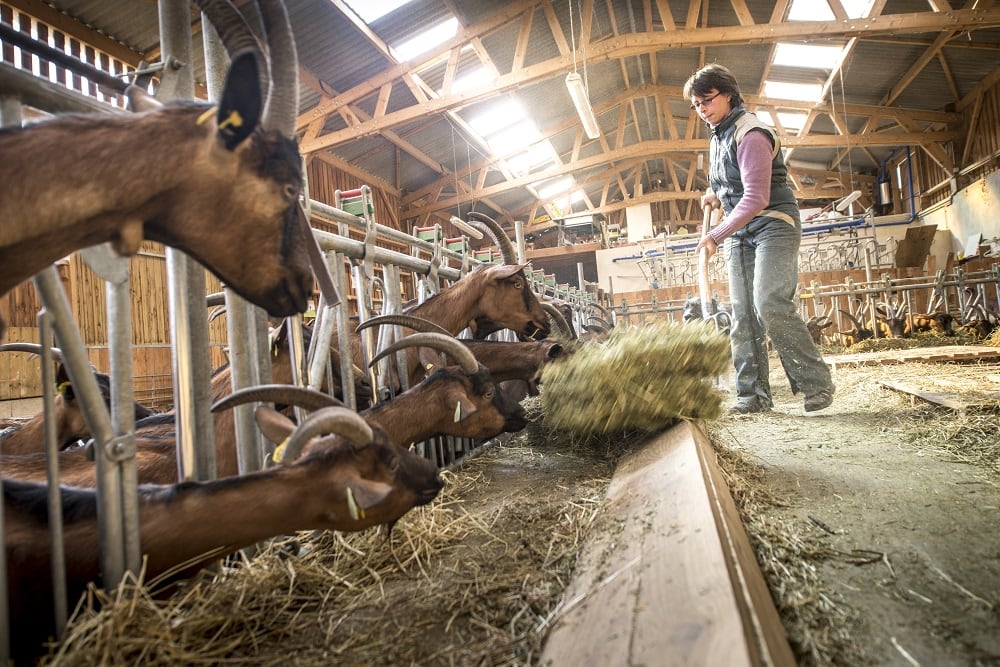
column 974, row 209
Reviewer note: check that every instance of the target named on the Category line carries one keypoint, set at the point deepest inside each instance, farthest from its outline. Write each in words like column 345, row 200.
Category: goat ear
column 507, row 270
column 242, row 101
column 275, row 426
column 364, row 494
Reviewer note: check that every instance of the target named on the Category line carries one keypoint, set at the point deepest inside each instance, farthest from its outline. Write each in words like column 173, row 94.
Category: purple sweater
column 754, row 158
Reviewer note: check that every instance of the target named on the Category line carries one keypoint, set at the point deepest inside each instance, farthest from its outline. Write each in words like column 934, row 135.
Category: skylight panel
column 807, row 55
column 807, row 92
column 500, row 114
column 790, row 120
column 514, row 138
column 479, row 77
column 554, row 188
column 536, row 156
column 372, row 10
column 812, row 10
column 426, row 41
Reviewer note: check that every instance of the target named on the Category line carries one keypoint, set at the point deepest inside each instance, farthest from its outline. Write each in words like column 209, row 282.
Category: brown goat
column 938, row 321
column 459, row 400
column 64, row 188
column 815, row 326
column 70, row 424
column 341, row 483
column 856, row 335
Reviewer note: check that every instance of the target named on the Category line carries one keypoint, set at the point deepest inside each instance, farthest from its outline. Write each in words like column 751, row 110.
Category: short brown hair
column 714, row 77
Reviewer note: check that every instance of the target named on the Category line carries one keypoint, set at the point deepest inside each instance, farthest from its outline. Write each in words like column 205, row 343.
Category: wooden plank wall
column 151, row 355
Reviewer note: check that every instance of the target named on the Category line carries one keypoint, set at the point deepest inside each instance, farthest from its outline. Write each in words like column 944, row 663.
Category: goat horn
column 447, row 344
column 557, row 318
column 490, row 226
column 235, row 33
column 601, row 322
column 33, row 348
column 215, row 299
column 404, row 320
column 340, row 420
column 607, row 313
column 303, row 397
column 282, row 108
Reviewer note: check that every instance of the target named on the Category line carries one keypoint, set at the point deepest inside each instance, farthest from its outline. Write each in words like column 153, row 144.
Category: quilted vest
column 724, row 174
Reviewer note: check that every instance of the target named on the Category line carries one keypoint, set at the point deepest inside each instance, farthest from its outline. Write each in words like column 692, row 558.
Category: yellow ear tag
column 234, row 118
column 279, row 452
column 203, row 118
column 352, row 506
column 62, row 387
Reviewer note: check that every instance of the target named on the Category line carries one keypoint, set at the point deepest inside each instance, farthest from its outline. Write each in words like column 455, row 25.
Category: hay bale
column 639, row 378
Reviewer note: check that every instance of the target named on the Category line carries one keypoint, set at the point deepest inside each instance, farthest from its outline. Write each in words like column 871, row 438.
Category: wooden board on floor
column 919, row 354
column 669, row 579
column 950, row 399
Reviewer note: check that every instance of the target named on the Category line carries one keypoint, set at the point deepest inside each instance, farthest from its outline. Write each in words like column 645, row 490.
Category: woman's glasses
column 705, row 102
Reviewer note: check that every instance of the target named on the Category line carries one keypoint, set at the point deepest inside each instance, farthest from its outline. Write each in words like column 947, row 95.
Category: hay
column 640, row 378
column 467, row 580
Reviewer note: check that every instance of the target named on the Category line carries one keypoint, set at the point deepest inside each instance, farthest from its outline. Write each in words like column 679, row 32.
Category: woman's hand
column 709, row 199
column 709, row 244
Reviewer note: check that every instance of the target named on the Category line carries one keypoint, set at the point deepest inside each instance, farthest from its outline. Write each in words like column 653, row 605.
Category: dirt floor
column 877, row 519
column 876, row 523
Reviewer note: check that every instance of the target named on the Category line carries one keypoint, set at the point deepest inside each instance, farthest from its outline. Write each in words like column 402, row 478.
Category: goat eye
column 290, row 192
column 489, row 394
column 517, row 283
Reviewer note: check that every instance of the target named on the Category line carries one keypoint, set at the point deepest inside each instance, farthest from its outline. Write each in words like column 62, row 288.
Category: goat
column 858, row 334
column 938, row 321
column 79, row 180
column 980, row 321
column 891, row 321
column 71, row 426
column 460, row 401
column 347, row 482
column 815, row 326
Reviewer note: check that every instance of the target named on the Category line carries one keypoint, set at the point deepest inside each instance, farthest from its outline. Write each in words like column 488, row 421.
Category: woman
column 762, row 230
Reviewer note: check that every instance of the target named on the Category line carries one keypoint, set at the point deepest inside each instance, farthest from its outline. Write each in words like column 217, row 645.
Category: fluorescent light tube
column 466, row 227
column 574, row 82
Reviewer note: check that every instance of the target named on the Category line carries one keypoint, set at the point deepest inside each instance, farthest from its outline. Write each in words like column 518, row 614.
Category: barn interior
column 440, row 140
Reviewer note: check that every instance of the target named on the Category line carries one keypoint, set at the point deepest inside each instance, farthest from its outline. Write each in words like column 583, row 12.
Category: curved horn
column 496, row 232
column 340, row 420
column 607, row 313
column 303, row 397
column 607, row 326
column 404, row 320
column 234, row 33
column 447, row 344
column 854, row 320
column 282, row 106
column 33, row 348
column 558, row 319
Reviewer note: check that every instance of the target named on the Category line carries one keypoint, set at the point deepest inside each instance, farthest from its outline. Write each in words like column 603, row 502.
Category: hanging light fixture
column 466, row 227
column 578, row 91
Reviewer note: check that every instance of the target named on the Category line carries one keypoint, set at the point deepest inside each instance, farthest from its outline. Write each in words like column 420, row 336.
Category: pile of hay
column 639, row 378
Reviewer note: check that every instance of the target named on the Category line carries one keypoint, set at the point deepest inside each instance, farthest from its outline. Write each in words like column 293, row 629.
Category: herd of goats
column 237, row 164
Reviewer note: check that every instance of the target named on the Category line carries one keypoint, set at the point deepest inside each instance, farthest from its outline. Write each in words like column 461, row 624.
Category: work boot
column 748, row 407
column 819, row 400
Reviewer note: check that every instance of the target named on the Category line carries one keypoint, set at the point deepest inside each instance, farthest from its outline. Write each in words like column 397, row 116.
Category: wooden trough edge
column 670, row 578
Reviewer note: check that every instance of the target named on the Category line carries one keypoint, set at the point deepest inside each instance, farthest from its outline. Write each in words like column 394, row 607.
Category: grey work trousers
column 763, row 273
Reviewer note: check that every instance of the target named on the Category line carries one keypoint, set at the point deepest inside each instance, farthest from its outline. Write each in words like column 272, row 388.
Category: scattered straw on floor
column 640, row 378
column 467, row 580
